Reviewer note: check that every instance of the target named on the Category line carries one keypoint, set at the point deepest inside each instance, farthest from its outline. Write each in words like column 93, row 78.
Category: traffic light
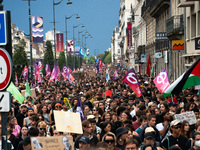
column 87, row 52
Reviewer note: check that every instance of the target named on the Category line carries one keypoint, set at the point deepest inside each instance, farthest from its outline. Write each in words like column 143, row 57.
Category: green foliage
column 104, row 56
column 19, row 58
column 91, row 59
column 107, row 60
column 61, row 60
column 100, row 56
column 70, row 61
column 48, row 56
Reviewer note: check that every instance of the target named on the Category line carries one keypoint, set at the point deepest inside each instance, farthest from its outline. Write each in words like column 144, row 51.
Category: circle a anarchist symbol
column 161, row 78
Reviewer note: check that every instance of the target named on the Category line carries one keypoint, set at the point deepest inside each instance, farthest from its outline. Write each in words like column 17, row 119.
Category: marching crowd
column 120, row 120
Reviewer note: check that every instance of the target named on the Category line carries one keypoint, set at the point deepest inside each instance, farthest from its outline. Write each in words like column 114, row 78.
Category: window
column 188, row 28
column 198, row 22
column 118, row 51
column 193, row 25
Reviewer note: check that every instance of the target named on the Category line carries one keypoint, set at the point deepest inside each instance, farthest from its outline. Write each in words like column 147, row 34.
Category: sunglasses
column 176, row 127
column 43, row 129
column 109, row 141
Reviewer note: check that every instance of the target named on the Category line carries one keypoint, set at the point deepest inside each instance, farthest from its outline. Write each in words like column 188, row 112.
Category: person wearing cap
column 175, row 138
column 23, row 114
column 84, row 143
column 149, row 138
column 121, row 135
column 27, row 120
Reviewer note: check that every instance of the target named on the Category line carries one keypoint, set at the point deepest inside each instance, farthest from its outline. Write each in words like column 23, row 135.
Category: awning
column 191, row 54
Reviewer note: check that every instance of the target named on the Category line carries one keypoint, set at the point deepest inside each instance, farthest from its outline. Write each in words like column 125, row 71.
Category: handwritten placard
column 68, row 122
column 52, row 143
column 187, row 116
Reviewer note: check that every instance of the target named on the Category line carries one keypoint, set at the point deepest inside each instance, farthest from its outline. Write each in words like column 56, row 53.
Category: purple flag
column 131, row 79
column 79, row 109
column 97, row 65
column 115, row 76
column 53, row 74
column 47, row 70
column 33, row 83
column 40, row 65
column 36, row 70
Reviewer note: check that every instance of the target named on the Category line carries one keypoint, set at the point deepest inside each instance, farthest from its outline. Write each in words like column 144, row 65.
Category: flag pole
column 172, row 98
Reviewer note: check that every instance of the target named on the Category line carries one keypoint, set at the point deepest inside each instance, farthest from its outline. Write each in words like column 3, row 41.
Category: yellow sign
column 68, row 122
column 52, row 143
column 177, row 45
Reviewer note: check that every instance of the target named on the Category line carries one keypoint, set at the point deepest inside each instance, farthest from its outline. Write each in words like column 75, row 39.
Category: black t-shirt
column 20, row 119
column 170, row 141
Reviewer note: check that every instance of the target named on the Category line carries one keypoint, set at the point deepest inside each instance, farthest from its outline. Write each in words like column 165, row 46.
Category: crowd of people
column 118, row 121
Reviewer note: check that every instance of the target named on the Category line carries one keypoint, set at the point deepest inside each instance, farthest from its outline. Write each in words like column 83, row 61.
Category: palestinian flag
column 188, row 79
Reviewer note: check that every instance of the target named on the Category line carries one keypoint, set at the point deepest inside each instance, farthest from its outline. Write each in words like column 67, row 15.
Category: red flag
column 149, row 66
column 131, row 79
column 100, row 65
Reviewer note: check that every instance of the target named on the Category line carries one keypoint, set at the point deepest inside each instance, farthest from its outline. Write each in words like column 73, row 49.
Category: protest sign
column 187, row 116
column 52, row 143
column 33, row 94
column 68, row 122
column 92, row 74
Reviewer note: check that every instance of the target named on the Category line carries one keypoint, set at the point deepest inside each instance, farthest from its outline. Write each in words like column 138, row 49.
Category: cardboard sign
column 68, row 122
column 187, row 116
column 32, row 93
column 92, row 74
column 52, row 143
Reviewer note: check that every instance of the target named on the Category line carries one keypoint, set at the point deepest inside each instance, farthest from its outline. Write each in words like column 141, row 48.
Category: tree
column 48, row 56
column 61, row 60
column 91, row 59
column 19, row 58
column 104, row 56
column 107, row 60
column 70, row 61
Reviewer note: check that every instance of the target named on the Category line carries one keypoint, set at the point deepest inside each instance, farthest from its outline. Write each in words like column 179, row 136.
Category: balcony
column 145, row 6
column 185, row 3
column 175, row 25
column 158, row 6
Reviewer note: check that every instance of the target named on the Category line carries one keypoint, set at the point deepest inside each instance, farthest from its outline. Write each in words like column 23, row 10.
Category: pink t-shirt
column 16, row 130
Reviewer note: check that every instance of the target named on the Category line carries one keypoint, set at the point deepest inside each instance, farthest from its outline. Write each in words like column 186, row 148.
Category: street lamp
column 77, row 17
column 74, row 39
column 54, row 37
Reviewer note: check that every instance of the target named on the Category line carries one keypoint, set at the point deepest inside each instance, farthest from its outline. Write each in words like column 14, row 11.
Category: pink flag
column 64, row 72
column 57, row 72
column 100, row 65
column 53, row 74
column 16, row 80
column 115, row 76
column 70, row 78
column 25, row 73
column 47, row 70
column 69, row 70
column 36, row 71
column 161, row 81
column 131, row 79
column 40, row 64
column 39, row 78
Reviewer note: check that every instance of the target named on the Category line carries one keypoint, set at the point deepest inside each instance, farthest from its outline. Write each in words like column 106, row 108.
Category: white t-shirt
column 7, row 142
